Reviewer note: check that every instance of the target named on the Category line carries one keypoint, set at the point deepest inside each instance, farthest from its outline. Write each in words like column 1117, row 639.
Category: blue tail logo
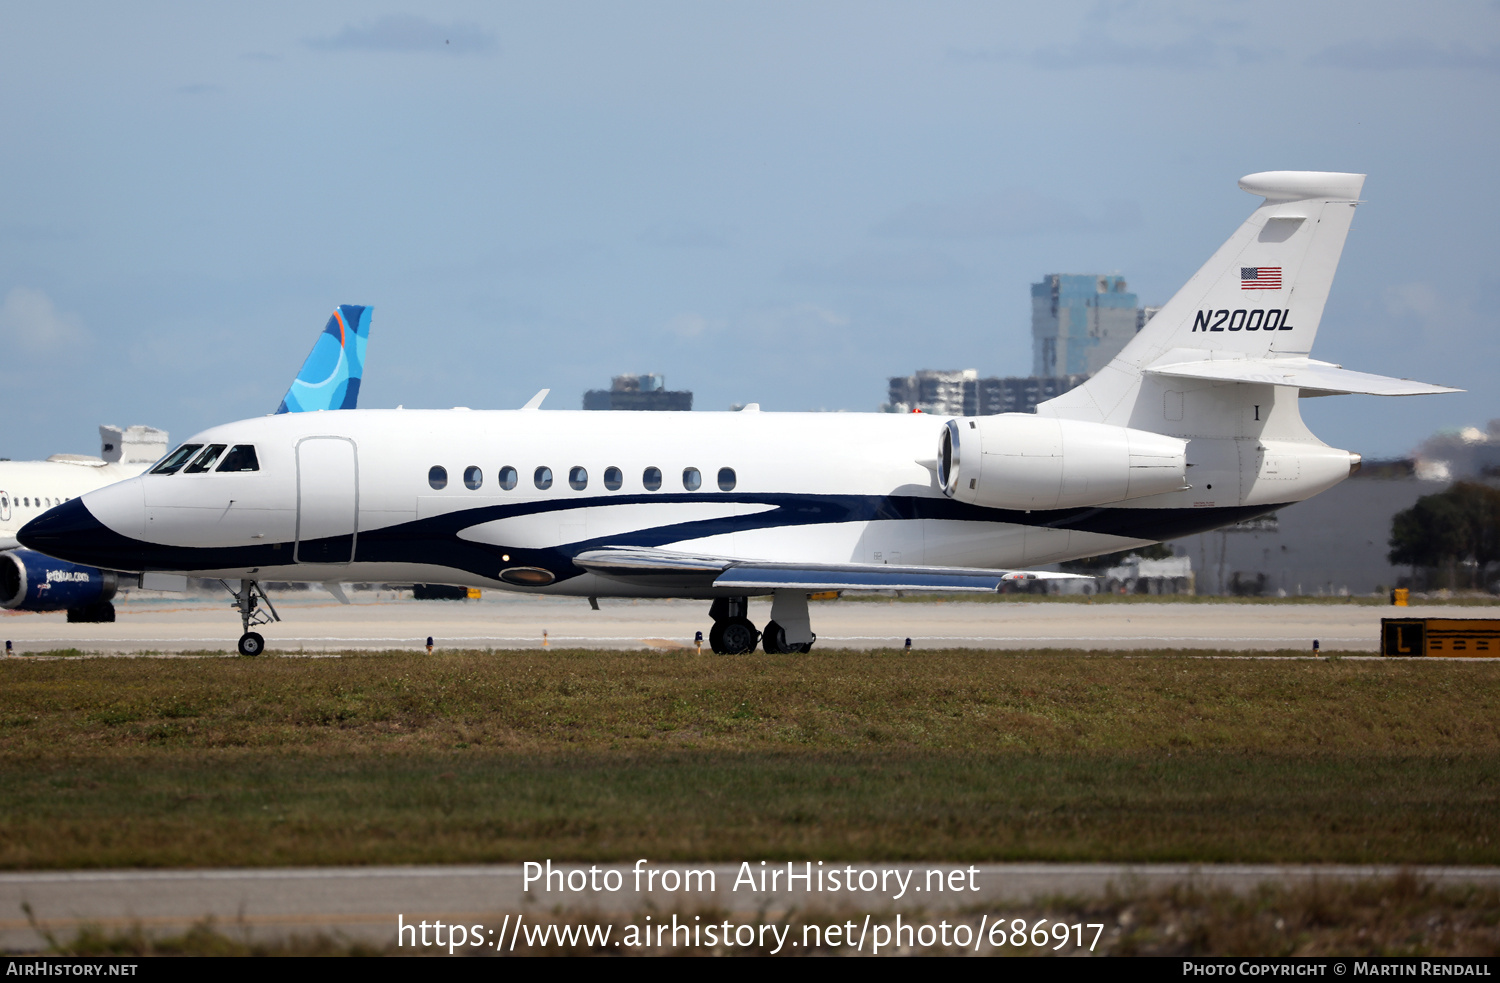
column 329, row 379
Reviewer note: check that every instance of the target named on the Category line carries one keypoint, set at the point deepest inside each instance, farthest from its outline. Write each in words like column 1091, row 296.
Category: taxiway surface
column 313, row 622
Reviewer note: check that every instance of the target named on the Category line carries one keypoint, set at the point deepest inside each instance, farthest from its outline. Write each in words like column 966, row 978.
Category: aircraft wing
column 1311, row 375
column 662, row 568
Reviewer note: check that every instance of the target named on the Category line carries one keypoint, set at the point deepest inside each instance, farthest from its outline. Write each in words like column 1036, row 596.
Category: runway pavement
column 316, row 623
column 365, row 902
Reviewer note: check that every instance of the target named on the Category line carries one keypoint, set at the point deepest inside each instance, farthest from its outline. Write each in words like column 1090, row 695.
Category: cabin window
column 175, row 460
column 691, row 479
column 726, row 479
column 26, row 501
column 508, row 477
column 437, row 477
column 543, row 478
column 473, row 478
column 578, row 479
column 613, row 479
column 241, row 457
column 205, row 461
column 651, row 479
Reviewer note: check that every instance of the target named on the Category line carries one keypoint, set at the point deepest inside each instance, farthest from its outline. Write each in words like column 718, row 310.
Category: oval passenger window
column 613, row 479
column 473, row 478
column 508, row 477
column 543, row 478
column 578, row 479
column 726, row 479
column 651, row 479
column 437, row 477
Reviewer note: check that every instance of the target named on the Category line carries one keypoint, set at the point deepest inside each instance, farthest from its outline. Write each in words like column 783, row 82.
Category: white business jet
column 329, row 379
column 1194, row 425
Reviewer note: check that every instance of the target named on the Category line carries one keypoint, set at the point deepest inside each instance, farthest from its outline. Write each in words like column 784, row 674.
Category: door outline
column 297, row 535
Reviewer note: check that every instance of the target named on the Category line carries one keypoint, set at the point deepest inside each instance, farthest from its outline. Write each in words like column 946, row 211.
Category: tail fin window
column 241, row 457
column 175, row 460
column 205, row 461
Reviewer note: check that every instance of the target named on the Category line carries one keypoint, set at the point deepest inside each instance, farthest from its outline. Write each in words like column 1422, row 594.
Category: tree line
column 1453, row 537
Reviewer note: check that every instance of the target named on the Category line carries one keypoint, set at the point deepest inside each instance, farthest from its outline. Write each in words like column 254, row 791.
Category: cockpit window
column 205, row 460
column 176, row 459
column 241, row 457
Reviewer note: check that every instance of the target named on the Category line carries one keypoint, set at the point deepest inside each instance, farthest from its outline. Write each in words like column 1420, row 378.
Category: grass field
column 957, row 755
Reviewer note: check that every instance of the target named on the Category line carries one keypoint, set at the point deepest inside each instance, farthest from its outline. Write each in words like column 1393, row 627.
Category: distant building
column 961, row 392
column 1332, row 544
column 638, row 392
column 1079, row 322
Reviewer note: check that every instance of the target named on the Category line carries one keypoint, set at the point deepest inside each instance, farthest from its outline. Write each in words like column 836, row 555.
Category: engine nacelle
column 30, row 581
column 1021, row 461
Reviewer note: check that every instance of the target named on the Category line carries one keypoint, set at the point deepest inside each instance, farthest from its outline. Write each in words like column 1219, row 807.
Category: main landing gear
column 247, row 599
column 787, row 632
column 732, row 633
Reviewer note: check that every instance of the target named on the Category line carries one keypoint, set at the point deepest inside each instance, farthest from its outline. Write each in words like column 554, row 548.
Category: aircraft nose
column 68, row 532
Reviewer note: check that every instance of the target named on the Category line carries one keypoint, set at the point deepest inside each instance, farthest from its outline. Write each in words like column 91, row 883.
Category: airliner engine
column 30, row 581
column 1021, row 461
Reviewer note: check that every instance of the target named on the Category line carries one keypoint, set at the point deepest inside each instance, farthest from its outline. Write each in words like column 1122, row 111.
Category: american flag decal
column 1260, row 278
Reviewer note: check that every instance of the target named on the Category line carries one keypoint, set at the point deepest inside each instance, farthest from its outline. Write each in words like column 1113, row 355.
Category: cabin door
column 327, row 500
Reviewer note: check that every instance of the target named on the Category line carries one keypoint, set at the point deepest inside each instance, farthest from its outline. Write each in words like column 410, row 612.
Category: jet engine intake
column 1022, row 461
column 31, row 581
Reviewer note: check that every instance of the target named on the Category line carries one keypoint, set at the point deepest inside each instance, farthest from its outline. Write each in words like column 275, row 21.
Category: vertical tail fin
column 1260, row 296
column 329, row 379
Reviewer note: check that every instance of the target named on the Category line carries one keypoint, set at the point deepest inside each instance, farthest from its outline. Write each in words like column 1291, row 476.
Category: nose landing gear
column 247, row 599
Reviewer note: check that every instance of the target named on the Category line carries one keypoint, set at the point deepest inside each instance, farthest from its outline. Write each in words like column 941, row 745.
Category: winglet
column 329, row 379
column 535, row 402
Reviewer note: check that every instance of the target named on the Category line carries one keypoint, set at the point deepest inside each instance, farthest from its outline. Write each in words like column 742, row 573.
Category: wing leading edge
column 663, row 568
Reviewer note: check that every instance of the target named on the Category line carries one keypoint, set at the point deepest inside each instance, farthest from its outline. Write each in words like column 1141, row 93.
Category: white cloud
column 1016, row 212
column 406, row 33
column 30, row 321
column 691, row 326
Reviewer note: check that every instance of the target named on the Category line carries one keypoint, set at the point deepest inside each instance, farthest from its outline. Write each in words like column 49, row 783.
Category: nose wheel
column 248, row 600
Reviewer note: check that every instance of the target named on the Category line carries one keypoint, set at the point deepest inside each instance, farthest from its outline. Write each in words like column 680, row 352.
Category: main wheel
column 251, row 643
column 735, row 636
column 775, row 643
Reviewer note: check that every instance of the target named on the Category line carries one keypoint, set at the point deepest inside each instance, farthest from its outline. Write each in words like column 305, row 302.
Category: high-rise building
column 1079, row 322
column 638, row 392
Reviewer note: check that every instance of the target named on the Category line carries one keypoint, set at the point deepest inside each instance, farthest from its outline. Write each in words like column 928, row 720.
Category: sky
column 780, row 202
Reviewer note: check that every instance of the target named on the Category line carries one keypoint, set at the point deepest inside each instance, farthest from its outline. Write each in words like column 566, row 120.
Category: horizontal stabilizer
column 650, row 565
column 1310, row 375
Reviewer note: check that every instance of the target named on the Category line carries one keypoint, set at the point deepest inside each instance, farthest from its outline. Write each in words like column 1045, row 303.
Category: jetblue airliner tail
column 330, row 377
